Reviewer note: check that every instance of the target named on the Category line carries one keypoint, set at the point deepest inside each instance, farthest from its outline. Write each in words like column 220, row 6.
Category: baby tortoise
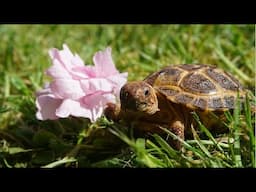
column 166, row 99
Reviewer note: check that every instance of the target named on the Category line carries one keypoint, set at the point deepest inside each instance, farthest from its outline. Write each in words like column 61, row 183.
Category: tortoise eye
column 146, row 92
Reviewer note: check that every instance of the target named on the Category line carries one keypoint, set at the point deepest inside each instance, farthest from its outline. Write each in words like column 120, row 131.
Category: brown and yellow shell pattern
column 197, row 86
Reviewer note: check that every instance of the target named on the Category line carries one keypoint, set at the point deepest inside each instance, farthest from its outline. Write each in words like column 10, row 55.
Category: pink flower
column 76, row 89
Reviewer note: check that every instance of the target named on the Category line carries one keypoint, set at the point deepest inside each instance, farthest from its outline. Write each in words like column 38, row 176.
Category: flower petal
column 65, row 61
column 118, row 81
column 96, row 113
column 45, row 91
column 47, row 105
column 70, row 60
column 57, row 70
column 97, row 99
column 79, row 90
column 83, row 72
column 93, row 100
column 96, row 102
column 93, row 85
column 74, row 108
column 67, row 89
column 104, row 64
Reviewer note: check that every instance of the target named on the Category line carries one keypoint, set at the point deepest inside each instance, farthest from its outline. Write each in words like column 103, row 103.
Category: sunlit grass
column 226, row 152
column 139, row 50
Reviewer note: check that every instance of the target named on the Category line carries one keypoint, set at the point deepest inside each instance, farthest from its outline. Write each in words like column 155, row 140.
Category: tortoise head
column 139, row 96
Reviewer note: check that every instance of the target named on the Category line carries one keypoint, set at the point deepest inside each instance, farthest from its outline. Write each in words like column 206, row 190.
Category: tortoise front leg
column 177, row 128
column 113, row 112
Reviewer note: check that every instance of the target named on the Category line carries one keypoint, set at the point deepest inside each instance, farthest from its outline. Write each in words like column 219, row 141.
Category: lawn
column 138, row 50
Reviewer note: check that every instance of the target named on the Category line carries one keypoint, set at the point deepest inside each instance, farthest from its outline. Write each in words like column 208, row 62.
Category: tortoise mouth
column 141, row 107
column 145, row 108
column 152, row 111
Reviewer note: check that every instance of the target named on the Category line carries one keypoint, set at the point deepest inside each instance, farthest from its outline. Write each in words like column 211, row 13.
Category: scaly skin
column 165, row 117
column 175, row 117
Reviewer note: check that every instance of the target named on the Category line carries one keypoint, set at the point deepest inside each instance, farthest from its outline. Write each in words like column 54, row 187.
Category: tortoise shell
column 197, row 86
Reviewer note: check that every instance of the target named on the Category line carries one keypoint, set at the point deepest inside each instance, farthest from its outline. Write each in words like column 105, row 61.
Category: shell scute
column 222, row 80
column 200, row 103
column 197, row 83
column 168, row 76
column 183, row 98
column 168, row 91
column 229, row 101
column 197, row 86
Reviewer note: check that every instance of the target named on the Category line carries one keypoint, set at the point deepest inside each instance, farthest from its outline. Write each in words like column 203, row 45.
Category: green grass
column 139, row 50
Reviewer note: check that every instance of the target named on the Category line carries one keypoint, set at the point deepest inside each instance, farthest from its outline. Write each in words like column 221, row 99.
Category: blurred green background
column 137, row 49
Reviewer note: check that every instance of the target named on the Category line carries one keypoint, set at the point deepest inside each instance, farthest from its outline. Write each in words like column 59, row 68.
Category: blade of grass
column 237, row 149
column 231, row 65
column 228, row 116
column 208, row 142
column 145, row 157
column 60, row 162
column 6, row 85
column 15, row 150
column 211, row 161
column 200, row 144
column 154, row 148
column 117, row 132
column 185, row 144
column 4, row 109
column 176, row 156
column 139, row 148
column 6, row 163
column 165, row 146
column 150, row 161
column 206, row 131
column 181, row 49
column 248, row 117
